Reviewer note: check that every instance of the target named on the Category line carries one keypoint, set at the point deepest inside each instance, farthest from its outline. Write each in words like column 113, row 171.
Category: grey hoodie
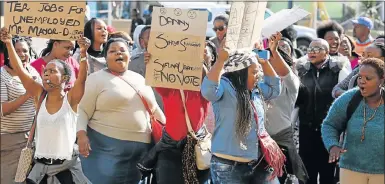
column 137, row 60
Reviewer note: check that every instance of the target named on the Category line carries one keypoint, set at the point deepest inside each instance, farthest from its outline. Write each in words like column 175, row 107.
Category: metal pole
column 290, row 4
column 109, row 18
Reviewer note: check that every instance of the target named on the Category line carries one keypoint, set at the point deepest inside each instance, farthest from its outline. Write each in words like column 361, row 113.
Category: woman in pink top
column 58, row 49
column 347, row 49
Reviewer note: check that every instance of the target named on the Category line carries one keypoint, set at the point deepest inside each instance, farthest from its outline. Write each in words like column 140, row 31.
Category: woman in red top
column 168, row 157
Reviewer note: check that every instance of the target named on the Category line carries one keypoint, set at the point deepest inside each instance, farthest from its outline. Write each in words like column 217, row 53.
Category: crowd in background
column 324, row 109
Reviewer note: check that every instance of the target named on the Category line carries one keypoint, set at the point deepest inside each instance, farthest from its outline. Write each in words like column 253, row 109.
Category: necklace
column 367, row 120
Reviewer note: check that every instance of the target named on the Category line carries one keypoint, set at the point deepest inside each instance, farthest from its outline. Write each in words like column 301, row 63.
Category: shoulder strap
column 137, row 92
column 33, row 127
column 188, row 122
column 353, row 104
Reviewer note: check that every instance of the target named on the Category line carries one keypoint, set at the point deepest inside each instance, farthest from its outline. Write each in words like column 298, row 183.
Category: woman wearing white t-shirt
column 56, row 120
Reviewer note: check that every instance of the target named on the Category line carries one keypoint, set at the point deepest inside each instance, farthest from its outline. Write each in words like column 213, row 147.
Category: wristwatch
column 83, row 59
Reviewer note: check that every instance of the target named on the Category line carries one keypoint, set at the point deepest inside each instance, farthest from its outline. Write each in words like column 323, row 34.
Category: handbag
column 26, row 155
column 272, row 153
column 156, row 126
column 203, row 147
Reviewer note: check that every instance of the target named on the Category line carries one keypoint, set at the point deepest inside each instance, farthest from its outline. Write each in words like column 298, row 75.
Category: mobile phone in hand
column 263, row 54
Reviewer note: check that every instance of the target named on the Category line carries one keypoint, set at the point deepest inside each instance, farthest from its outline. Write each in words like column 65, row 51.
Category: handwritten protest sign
column 282, row 19
column 54, row 20
column 245, row 24
column 177, row 42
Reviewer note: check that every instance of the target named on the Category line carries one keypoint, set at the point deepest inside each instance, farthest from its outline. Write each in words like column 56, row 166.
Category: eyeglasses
column 219, row 28
column 315, row 50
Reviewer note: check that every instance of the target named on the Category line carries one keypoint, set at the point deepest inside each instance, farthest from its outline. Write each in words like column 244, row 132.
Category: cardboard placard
column 245, row 24
column 177, row 42
column 49, row 19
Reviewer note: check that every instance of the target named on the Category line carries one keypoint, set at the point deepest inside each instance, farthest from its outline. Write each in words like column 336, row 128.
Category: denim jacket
column 224, row 101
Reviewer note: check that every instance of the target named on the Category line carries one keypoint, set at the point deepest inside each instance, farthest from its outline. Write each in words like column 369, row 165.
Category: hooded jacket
column 137, row 60
column 137, row 57
column 315, row 98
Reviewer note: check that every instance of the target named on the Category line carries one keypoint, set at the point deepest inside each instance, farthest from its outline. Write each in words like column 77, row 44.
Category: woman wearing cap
column 237, row 97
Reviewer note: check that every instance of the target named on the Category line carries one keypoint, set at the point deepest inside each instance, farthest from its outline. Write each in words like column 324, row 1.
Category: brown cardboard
column 177, row 42
column 52, row 20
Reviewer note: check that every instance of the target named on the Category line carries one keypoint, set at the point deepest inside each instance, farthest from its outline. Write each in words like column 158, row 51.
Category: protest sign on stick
column 282, row 19
column 245, row 24
column 177, row 42
column 53, row 20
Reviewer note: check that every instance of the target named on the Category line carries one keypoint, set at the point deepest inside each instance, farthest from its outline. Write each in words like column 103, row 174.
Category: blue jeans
column 113, row 161
column 230, row 172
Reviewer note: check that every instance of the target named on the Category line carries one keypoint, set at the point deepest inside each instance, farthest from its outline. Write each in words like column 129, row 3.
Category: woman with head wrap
column 237, row 94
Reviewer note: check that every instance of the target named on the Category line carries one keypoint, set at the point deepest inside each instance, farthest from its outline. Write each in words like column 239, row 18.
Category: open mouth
column 363, row 89
column 119, row 60
column 334, row 46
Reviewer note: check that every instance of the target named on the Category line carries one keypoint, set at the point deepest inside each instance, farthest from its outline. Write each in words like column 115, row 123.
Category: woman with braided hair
column 237, row 96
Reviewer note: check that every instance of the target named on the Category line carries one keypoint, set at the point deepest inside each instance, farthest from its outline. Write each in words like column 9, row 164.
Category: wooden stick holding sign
column 177, row 42
column 245, row 24
column 53, row 20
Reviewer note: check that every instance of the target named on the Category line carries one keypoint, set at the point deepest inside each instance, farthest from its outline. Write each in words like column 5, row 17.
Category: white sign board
column 282, row 19
column 245, row 24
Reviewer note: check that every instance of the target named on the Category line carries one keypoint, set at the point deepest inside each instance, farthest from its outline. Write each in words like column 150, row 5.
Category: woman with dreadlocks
column 17, row 109
column 240, row 151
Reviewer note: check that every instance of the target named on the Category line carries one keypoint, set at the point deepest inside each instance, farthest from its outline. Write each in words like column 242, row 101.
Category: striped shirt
column 11, row 89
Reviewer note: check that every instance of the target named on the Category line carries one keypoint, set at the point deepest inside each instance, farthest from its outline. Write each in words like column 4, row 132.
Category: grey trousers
column 11, row 146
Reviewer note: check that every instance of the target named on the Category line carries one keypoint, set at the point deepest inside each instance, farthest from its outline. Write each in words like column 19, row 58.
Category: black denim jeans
column 165, row 161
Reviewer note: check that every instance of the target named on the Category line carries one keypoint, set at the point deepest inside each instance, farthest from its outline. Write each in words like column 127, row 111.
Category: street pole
column 109, row 18
column 290, row 4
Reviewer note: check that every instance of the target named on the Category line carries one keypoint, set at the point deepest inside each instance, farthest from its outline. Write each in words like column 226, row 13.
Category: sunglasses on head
column 219, row 28
column 315, row 50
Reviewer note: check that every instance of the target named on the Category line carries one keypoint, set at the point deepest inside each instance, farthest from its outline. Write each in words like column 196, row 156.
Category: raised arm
column 276, row 60
column 32, row 86
column 271, row 85
column 211, row 89
column 76, row 93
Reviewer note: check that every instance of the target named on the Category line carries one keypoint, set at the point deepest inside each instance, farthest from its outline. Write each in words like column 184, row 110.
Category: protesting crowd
column 293, row 117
